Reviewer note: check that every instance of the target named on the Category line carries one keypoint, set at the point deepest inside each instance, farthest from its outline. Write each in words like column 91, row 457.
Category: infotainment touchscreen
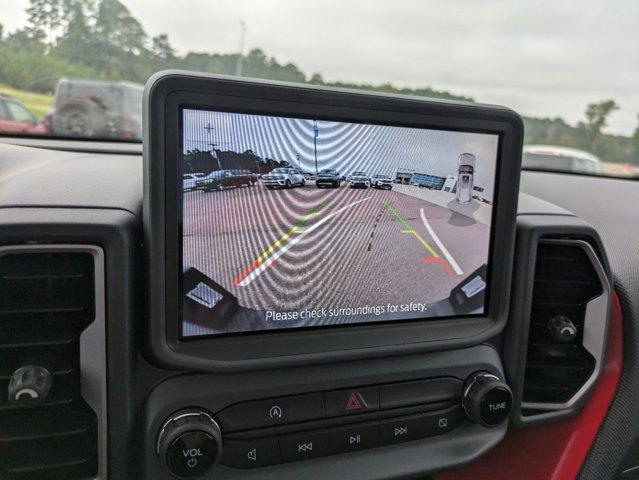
column 295, row 223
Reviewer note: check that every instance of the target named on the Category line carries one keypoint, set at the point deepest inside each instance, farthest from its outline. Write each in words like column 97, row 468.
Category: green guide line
column 394, row 212
column 312, row 214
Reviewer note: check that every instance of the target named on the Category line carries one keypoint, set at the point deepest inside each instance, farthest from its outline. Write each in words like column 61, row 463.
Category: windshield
column 281, row 170
column 76, row 69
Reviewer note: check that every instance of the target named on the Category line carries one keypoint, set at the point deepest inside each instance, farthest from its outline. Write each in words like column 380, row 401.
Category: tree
column 596, row 117
column 117, row 30
column 316, row 79
column 634, row 145
column 44, row 17
column 161, row 47
column 77, row 42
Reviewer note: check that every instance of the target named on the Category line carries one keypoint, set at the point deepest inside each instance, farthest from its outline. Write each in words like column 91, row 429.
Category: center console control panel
column 283, row 365
column 265, row 432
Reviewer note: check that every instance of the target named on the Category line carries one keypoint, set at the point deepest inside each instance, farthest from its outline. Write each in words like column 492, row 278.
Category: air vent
column 47, row 300
column 569, row 284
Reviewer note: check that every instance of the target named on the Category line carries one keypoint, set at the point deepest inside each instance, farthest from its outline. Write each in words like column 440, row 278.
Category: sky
column 346, row 147
column 542, row 58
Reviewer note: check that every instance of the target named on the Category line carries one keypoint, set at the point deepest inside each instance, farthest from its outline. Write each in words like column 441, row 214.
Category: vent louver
column 567, row 280
column 47, row 300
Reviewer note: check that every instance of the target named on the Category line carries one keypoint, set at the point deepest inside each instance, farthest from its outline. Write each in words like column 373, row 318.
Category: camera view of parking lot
column 309, row 223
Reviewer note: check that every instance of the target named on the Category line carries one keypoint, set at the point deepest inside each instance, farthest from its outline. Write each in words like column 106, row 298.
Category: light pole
column 240, row 57
column 315, row 135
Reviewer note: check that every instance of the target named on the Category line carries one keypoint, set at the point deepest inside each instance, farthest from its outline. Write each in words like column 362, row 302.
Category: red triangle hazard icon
column 353, row 402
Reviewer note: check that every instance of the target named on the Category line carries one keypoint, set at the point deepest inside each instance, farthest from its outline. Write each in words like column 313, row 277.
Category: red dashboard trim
column 555, row 451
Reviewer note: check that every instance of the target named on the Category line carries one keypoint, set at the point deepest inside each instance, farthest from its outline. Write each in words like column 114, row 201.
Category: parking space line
column 256, row 272
column 294, row 229
column 440, row 244
column 435, row 257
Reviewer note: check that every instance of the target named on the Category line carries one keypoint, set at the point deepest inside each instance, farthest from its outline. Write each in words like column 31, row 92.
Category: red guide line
column 441, row 262
column 245, row 273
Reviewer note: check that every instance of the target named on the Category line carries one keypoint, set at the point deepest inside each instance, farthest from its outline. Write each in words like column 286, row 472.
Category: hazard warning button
column 351, row 401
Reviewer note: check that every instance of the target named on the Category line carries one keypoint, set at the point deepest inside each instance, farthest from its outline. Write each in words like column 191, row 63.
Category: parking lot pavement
column 311, row 248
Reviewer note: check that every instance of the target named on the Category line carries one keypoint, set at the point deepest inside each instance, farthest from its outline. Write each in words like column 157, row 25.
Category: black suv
column 328, row 178
column 223, row 179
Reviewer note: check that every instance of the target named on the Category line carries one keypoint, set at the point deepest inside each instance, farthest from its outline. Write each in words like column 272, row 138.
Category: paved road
column 307, row 248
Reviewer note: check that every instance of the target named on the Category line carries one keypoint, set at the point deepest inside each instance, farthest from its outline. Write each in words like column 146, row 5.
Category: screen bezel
column 165, row 96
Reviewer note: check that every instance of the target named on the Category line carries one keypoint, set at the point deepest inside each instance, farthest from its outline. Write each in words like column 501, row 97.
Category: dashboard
column 124, row 356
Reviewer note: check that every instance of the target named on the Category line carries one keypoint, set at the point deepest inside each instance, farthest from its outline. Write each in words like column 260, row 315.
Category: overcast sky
column 542, row 58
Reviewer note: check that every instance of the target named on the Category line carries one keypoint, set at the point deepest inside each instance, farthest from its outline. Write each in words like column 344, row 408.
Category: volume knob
column 486, row 399
column 189, row 443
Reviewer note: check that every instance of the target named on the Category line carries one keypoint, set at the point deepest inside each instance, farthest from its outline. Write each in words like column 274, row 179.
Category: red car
column 15, row 118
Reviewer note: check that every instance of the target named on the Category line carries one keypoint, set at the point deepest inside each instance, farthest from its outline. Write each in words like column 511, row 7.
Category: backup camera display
column 291, row 223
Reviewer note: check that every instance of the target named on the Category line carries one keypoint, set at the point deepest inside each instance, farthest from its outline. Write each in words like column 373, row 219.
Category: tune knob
column 486, row 399
column 189, row 443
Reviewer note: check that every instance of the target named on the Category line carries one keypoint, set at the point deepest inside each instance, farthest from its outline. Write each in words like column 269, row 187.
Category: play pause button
column 354, row 437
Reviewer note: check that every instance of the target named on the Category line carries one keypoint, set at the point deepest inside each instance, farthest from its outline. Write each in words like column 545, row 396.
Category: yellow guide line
column 270, row 249
column 423, row 242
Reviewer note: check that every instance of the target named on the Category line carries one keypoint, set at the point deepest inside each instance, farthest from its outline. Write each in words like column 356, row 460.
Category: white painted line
column 258, row 271
column 439, row 243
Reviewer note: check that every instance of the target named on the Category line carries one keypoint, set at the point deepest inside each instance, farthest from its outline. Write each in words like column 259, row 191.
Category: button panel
column 340, row 439
column 390, row 414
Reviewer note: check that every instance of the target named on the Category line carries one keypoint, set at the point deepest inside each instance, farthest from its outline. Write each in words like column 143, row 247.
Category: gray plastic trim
column 93, row 374
column 595, row 327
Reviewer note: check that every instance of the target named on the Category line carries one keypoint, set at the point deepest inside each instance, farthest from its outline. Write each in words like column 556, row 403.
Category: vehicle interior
column 250, row 272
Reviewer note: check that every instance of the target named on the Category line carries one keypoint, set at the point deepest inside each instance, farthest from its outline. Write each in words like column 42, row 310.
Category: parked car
column 223, row 179
column 16, row 118
column 308, row 175
column 383, row 182
column 564, row 159
column 283, row 178
column 189, row 181
column 328, row 178
column 96, row 109
column 359, row 180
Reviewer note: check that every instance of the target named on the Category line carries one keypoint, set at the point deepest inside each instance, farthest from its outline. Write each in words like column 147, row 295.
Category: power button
column 191, row 454
column 189, row 443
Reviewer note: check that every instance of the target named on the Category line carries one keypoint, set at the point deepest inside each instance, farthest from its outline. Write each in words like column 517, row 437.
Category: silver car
column 382, row 182
column 189, row 181
column 359, row 180
column 283, row 178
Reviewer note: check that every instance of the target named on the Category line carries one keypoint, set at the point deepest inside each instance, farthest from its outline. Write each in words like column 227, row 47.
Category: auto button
column 274, row 411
